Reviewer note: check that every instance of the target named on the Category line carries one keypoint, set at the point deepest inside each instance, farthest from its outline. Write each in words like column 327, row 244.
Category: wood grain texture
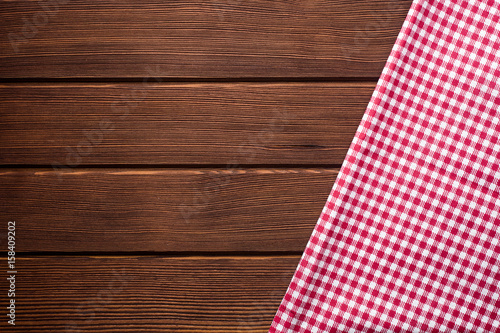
column 149, row 294
column 200, row 39
column 138, row 160
column 179, row 124
column 164, row 210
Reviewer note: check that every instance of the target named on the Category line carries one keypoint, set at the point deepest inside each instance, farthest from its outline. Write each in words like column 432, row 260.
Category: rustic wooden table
column 166, row 161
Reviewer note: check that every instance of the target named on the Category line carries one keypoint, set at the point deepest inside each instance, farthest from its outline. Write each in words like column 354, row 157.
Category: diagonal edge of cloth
column 409, row 238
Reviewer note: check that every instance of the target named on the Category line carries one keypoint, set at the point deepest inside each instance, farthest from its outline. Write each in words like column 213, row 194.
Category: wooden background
column 166, row 161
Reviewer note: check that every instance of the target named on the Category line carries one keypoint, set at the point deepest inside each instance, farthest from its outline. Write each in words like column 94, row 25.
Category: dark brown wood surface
column 166, row 161
column 179, row 210
column 149, row 294
column 200, row 39
column 208, row 123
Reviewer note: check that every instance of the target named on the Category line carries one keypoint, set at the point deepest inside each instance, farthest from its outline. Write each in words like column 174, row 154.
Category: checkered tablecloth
column 408, row 240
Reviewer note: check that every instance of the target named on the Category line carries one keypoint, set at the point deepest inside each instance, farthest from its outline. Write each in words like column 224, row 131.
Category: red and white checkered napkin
column 409, row 239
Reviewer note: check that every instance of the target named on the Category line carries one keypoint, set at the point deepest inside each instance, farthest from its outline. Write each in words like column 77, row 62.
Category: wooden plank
column 148, row 294
column 248, row 123
column 164, row 210
column 200, row 39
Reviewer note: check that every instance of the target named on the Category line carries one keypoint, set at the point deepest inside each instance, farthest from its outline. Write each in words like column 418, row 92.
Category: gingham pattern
column 408, row 240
